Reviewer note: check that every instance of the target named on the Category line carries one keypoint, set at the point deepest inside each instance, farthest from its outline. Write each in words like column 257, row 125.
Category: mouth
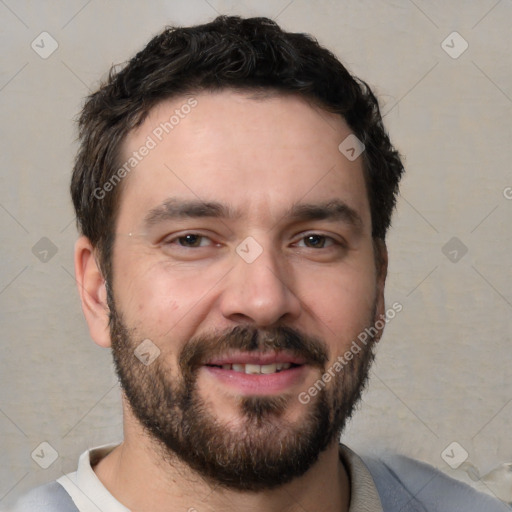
column 262, row 374
column 255, row 369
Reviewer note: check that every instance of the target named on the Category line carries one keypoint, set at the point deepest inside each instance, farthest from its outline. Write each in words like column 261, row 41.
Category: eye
column 316, row 241
column 189, row 240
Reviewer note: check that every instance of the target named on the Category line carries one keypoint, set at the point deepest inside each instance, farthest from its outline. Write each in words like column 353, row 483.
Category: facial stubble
column 264, row 450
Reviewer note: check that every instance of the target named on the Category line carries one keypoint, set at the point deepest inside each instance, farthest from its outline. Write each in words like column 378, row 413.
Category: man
column 233, row 189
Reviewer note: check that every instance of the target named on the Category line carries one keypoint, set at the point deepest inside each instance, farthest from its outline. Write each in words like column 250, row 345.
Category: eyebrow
column 174, row 208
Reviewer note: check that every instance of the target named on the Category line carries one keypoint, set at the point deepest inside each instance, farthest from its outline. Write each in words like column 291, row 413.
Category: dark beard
column 266, row 451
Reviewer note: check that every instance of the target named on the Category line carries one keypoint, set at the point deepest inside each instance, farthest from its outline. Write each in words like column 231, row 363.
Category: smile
column 255, row 369
column 251, row 373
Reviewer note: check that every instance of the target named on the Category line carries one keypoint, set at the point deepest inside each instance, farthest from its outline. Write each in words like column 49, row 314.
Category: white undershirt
column 86, row 489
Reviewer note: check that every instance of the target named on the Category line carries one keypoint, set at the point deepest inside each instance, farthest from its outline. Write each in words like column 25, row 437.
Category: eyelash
column 172, row 241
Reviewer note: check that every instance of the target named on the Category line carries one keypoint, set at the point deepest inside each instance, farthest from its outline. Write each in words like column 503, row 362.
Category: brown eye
column 316, row 241
column 191, row 240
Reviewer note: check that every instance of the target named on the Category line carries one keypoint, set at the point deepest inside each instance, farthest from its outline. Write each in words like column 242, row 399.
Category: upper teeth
column 257, row 368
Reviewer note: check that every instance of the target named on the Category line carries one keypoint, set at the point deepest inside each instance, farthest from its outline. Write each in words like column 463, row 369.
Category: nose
column 260, row 292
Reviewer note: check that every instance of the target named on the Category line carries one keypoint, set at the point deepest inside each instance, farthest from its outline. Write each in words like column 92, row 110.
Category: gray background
column 443, row 370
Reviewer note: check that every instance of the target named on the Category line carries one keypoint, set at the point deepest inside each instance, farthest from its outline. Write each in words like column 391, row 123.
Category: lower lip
column 259, row 384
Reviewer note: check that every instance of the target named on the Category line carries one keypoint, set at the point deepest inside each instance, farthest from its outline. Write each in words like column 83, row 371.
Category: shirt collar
column 90, row 495
column 86, row 489
column 364, row 496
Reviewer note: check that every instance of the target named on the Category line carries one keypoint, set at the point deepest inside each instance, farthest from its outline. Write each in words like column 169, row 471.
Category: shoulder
column 400, row 479
column 51, row 497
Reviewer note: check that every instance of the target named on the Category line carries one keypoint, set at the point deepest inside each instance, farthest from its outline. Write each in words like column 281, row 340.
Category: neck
column 137, row 476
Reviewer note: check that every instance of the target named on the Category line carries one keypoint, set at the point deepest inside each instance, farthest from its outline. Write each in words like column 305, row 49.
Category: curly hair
column 228, row 53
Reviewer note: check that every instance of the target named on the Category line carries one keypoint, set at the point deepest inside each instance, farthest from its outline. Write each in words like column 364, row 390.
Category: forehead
column 257, row 155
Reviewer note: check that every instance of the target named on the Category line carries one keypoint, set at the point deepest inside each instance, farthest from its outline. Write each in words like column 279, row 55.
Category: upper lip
column 256, row 358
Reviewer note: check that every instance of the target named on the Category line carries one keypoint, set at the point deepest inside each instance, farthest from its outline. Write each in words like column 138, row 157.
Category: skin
column 259, row 156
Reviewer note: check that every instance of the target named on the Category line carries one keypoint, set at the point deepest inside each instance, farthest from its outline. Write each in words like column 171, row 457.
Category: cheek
column 164, row 301
column 154, row 303
column 342, row 304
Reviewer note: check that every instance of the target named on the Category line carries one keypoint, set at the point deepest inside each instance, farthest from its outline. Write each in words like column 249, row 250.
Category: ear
column 93, row 292
column 381, row 264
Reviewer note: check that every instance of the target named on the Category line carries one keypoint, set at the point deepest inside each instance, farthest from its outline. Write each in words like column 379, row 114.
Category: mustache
column 201, row 349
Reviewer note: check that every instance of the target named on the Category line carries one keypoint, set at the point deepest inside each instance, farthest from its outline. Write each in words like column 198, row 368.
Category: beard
column 264, row 450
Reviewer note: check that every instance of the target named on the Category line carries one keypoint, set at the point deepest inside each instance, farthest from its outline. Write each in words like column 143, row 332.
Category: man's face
column 244, row 253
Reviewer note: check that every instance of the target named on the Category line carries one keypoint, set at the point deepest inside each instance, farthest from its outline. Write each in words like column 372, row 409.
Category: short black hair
column 228, row 53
